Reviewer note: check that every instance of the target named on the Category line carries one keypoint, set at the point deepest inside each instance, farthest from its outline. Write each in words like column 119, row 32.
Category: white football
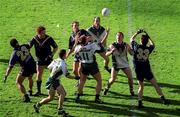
column 105, row 12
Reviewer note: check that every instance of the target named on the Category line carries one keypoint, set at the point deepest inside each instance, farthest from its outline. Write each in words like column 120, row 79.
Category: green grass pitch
column 161, row 18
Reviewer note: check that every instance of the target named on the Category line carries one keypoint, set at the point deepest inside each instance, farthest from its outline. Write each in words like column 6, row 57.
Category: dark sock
column 97, row 96
column 78, row 95
column 39, row 85
column 162, row 97
column 108, row 86
column 39, row 105
column 26, row 96
column 131, row 88
column 61, row 108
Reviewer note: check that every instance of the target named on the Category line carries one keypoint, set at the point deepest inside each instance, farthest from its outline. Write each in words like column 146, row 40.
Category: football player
column 22, row 55
column 44, row 54
column 76, row 32
column 119, row 50
column 57, row 68
column 142, row 64
column 99, row 35
column 89, row 66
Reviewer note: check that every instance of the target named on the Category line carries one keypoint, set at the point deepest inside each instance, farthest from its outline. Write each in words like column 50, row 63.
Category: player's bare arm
column 70, row 51
column 103, row 41
column 151, row 42
column 129, row 49
column 134, row 36
column 8, row 71
column 111, row 50
column 54, row 51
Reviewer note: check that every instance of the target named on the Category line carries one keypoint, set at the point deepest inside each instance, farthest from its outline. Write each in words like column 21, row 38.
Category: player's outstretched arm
column 129, row 49
column 8, row 71
column 150, row 40
column 74, row 46
column 103, row 41
column 111, row 50
column 54, row 51
column 134, row 36
column 68, row 53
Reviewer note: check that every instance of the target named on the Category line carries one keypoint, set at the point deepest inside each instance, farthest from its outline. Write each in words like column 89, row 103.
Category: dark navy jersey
column 22, row 56
column 141, row 53
column 121, row 47
column 43, row 46
column 97, row 34
column 72, row 37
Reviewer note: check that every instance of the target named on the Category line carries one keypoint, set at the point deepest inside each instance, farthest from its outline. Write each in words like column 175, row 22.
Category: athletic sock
column 162, row 97
column 38, row 105
column 97, row 96
column 108, row 85
column 39, row 82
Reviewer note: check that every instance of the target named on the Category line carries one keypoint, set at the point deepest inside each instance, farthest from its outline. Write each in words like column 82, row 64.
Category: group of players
column 84, row 44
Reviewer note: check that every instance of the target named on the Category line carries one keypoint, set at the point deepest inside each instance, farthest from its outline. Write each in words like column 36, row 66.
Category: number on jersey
column 23, row 53
column 142, row 54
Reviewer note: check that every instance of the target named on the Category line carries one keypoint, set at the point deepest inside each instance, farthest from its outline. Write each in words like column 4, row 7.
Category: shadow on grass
column 43, row 115
column 102, row 107
column 158, row 100
column 6, row 61
column 175, row 91
column 120, row 109
column 149, row 111
column 112, row 94
column 147, row 83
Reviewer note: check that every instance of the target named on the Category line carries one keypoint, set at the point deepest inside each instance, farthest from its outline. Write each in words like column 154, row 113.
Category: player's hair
column 13, row 42
column 96, row 18
column 144, row 39
column 62, row 52
column 74, row 22
column 121, row 34
column 40, row 29
column 82, row 40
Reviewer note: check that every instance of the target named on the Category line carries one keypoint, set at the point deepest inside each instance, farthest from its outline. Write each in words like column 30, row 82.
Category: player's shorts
column 42, row 62
column 76, row 58
column 143, row 71
column 114, row 65
column 102, row 49
column 89, row 68
column 28, row 70
column 52, row 83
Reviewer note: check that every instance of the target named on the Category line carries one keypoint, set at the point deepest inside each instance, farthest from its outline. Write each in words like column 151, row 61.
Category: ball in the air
column 105, row 12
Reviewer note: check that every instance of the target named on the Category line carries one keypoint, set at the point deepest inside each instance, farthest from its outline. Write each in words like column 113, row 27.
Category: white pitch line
column 129, row 36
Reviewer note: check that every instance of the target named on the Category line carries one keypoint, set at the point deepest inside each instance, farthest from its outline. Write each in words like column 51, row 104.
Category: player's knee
column 63, row 94
column 112, row 79
column 75, row 72
column 141, row 87
column 99, row 81
column 50, row 98
column 18, row 82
